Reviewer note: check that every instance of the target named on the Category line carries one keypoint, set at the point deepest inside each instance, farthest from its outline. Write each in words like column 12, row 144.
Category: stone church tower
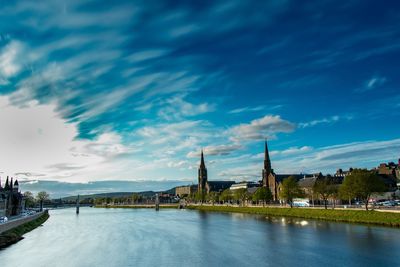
column 267, row 167
column 202, row 175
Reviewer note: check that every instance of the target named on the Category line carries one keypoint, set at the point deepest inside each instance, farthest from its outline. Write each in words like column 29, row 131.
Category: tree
column 362, row 184
column 41, row 197
column 226, row 195
column 212, row 197
column 262, row 194
column 29, row 199
column 241, row 195
column 99, row 201
column 136, row 198
column 324, row 188
column 200, row 196
column 346, row 192
column 334, row 193
column 290, row 190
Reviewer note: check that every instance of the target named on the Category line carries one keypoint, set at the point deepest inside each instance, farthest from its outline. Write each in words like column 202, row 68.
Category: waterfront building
column 11, row 199
column 390, row 171
column 271, row 180
column 187, row 190
column 204, row 186
column 218, row 186
column 307, row 183
column 245, row 185
column 202, row 175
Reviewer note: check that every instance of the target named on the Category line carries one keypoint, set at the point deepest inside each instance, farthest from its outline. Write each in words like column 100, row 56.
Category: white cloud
column 328, row 159
column 176, row 107
column 261, row 128
column 295, row 150
column 215, row 150
column 10, row 60
column 148, row 54
column 329, row 120
column 36, row 141
column 246, row 109
column 375, row 82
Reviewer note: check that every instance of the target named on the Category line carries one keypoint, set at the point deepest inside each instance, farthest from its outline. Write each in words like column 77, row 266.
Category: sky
column 94, row 91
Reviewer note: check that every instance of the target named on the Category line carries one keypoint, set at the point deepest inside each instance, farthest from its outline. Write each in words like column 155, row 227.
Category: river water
column 169, row 237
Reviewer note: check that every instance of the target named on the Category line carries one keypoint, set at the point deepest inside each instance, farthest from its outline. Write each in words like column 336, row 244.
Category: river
column 170, row 237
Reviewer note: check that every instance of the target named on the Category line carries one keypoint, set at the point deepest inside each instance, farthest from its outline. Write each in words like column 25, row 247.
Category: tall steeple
column 202, row 178
column 267, row 161
column 267, row 166
column 16, row 186
column 6, row 186
column 202, row 164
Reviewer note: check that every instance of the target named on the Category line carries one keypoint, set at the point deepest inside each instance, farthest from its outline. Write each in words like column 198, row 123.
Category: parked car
column 3, row 219
column 389, row 204
column 301, row 204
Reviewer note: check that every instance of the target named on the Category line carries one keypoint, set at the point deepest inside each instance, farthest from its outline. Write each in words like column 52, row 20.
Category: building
column 183, row 191
column 245, row 185
column 307, row 183
column 341, row 173
column 218, row 186
column 202, row 176
column 11, row 200
column 390, row 171
column 204, row 186
column 271, row 180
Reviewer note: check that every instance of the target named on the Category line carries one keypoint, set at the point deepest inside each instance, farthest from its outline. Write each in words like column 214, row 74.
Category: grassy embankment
column 14, row 235
column 351, row 216
column 163, row 206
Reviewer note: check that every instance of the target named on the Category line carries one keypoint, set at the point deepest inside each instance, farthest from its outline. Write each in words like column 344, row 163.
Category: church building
column 10, row 198
column 271, row 180
column 204, row 186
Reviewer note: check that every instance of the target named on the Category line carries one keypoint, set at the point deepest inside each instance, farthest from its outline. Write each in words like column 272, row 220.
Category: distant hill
column 118, row 194
column 58, row 189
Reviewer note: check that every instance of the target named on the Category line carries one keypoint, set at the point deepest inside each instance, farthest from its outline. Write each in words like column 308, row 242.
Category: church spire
column 202, row 175
column 6, row 186
column 267, row 161
column 202, row 164
column 267, row 167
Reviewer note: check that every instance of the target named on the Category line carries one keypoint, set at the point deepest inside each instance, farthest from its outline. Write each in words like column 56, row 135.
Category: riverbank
column 144, row 206
column 350, row 216
column 15, row 234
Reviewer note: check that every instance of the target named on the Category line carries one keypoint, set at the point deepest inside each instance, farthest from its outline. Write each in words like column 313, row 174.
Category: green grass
column 351, row 216
column 14, row 235
column 164, row 206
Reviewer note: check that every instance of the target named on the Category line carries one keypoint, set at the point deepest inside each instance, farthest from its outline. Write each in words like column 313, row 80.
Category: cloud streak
column 261, row 128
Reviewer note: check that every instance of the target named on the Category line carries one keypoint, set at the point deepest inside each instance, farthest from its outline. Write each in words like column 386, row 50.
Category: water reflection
column 122, row 237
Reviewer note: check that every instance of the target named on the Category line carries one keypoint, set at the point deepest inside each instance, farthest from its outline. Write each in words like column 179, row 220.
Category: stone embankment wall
column 12, row 224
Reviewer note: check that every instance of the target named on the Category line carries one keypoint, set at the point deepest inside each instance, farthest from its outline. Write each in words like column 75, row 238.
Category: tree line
column 32, row 201
column 360, row 184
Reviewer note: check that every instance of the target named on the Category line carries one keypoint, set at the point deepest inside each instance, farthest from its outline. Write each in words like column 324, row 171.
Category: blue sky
column 94, row 91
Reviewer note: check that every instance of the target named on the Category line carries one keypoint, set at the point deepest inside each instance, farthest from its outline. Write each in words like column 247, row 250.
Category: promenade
column 19, row 221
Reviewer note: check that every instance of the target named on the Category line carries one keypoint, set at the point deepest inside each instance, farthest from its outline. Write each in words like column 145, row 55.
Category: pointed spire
column 6, row 186
column 202, row 164
column 16, row 183
column 11, row 183
column 267, row 161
